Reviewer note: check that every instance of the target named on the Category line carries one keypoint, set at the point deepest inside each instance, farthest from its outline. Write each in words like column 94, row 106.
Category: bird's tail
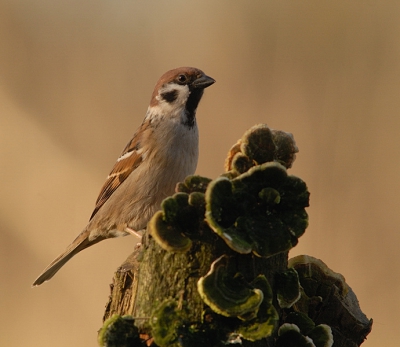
column 79, row 244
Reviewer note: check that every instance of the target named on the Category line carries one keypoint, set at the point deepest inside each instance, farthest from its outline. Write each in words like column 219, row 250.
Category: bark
column 151, row 275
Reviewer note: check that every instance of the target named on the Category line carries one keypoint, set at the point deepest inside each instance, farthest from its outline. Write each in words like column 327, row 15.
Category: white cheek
column 183, row 95
column 178, row 104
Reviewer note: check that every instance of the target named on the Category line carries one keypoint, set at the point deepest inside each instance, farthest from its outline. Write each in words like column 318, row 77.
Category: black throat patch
column 191, row 106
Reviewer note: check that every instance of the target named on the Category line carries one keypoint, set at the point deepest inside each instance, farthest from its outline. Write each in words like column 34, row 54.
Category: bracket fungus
column 181, row 215
column 264, row 324
column 259, row 145
column 327, row 298
column 287, row 288
column 316, row 277
column 193, row 184
column 227, row 293
column 260, row 211
column 293, row 335
column 289, row 335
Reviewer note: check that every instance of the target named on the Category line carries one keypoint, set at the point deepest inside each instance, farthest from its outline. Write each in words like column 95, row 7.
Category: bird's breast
column 170, row 154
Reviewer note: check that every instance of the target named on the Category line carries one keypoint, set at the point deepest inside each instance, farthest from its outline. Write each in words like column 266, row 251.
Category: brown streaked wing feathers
column 121, row 170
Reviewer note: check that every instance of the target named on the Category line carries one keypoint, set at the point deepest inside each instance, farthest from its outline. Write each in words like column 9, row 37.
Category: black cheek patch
column 170, row 96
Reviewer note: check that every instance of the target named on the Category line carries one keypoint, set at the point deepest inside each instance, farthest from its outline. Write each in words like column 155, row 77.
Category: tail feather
column 79, row 244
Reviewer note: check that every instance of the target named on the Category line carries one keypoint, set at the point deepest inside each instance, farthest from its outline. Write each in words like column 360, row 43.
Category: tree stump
column 212, row 268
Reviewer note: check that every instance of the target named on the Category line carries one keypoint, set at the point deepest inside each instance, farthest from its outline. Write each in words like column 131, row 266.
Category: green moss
column 119, row 331
column 165, row 323
column 169, row 328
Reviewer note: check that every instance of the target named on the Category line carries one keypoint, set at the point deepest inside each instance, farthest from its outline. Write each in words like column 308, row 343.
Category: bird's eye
column 182, row 78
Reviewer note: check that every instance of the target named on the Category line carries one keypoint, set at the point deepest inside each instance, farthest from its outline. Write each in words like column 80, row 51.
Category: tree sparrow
column 162, row 152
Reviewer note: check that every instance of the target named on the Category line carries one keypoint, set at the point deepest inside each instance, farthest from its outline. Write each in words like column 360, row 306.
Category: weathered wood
column 124, row 287
column 151, row 275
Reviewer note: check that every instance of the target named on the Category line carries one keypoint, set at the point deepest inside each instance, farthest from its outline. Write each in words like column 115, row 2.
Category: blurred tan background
column 75, row 81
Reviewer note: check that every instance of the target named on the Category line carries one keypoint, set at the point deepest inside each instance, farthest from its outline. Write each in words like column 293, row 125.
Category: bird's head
column 180, row 90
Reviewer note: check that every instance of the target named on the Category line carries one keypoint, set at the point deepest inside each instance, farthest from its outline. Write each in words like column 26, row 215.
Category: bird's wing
column 128, row 161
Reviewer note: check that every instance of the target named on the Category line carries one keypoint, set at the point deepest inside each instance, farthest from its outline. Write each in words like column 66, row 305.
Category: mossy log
column 140, row 290
column 212, row 268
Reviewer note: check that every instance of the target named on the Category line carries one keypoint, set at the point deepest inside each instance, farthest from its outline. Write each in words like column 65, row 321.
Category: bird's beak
column 203, row 82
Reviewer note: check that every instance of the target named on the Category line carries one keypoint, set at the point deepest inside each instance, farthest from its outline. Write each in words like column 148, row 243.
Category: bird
column 162, row 152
